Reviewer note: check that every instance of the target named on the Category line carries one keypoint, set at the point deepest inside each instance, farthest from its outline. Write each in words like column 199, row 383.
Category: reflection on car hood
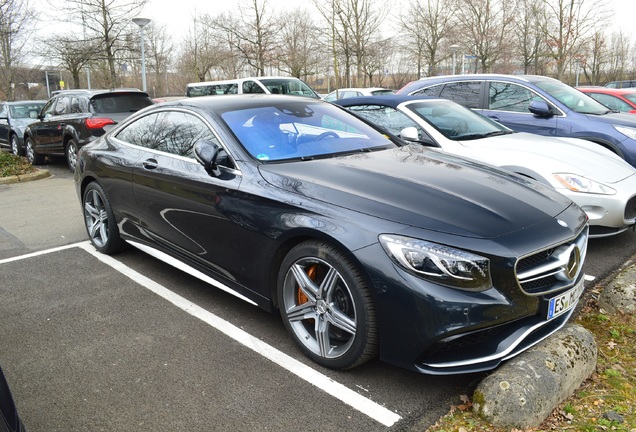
column 548, row 155
column 422, row 188
column 22, row 122
column 622, row 119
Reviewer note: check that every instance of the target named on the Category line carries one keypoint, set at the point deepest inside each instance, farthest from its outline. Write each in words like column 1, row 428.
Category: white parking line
column 337, row 390
column 43, row 252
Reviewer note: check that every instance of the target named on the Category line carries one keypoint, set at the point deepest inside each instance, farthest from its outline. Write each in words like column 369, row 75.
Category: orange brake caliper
column 301, row 297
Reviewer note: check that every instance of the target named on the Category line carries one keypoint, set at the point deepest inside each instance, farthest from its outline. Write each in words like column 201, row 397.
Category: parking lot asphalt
column 128, row 343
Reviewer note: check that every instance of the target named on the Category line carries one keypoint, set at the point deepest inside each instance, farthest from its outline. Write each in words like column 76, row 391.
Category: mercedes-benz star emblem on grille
column 570, row 260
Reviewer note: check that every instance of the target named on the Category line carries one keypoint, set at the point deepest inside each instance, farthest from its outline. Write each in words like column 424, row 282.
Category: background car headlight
column 578, row 183
column 627, row 131
column 438, row 263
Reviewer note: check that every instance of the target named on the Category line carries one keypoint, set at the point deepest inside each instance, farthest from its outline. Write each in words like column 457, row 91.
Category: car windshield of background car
column 301, row 130
column 630, row 97
column 456, row 122
column 288, row 86
column 572, row 98
column 25, row 111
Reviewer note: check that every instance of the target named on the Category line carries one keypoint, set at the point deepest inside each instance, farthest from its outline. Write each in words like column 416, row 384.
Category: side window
column 252, row 87
column 78, row 105
column 509, row 97
column 3, row 110
column 430, row 91
column 48, row 109
column 177, row 132
column 140, row 132
column 464, row 93
column 63, row 106
column 389, row 118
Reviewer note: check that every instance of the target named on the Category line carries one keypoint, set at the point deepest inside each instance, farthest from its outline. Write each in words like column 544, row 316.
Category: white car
column 346, row 93
column 599, row 181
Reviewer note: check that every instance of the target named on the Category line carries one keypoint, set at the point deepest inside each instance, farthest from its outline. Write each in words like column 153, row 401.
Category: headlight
column 627, row 131
column 440, row 264
column 577, row 183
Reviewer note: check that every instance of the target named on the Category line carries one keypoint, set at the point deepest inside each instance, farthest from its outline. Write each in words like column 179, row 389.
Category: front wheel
column 15, row 145
column 71, row 154
column 326, row 305
column 100, row 221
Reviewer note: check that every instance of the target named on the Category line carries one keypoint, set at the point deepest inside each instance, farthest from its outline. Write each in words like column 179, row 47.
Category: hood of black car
column 422, row 188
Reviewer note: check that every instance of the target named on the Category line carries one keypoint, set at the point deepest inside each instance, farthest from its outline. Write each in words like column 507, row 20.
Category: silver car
column 599, row 181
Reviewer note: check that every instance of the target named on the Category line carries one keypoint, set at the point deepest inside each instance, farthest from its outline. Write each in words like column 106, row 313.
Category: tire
column 326, row 306
column 71, row 154
column 99, row 220
column 15, row 145
column 33, row 157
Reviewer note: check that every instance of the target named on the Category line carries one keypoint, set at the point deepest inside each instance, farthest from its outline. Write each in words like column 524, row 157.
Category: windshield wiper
column 482, row 135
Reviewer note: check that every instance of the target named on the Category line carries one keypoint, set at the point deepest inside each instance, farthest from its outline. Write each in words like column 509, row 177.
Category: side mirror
column 206, row 152
column 540, row 108
column 410, row 134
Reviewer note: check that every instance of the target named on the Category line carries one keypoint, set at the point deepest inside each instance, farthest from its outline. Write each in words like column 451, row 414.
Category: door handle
column 495, row 118
column 150, row 164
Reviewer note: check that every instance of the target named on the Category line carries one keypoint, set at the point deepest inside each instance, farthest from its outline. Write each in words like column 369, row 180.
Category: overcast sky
column 177, row 14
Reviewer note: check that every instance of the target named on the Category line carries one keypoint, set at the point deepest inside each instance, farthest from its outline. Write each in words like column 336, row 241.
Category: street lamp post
column 454, row 49
column 142, row 22
column 577, row 62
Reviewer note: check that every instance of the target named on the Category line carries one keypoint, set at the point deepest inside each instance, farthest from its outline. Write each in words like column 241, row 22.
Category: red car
column 623, row 99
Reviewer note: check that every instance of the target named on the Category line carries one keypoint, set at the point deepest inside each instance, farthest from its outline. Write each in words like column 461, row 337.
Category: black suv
column 73, row 118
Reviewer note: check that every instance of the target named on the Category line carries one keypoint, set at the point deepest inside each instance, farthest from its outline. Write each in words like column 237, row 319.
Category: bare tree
column 568, row 24
column 255, row 35
column 300, row 45
column 160, row 48
column 104, row 23
column 71, row 53
column 426, row 25
column 529, row 39
column 16, row 21
column 485, row 25
column 594, row 58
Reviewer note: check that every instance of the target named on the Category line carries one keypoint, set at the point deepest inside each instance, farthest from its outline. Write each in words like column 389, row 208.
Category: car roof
column 93, row 92
column 24, row 102
column 391, row 100
column 237, row 102
column 608, row 90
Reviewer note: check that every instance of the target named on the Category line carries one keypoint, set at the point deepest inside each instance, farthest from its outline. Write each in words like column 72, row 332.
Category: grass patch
column 11, row 165
column 603, row 402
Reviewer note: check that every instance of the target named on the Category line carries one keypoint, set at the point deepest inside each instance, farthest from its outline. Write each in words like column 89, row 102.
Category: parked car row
column 14, row 118
column 536, row 104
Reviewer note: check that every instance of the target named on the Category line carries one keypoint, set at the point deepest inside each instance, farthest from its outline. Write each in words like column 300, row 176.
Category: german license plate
column 565, row 301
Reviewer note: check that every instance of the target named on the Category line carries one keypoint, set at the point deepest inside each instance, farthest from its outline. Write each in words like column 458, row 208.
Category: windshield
column 26, row 110
column 288, row 86
column 301, row 130
column 572, row 98
column 456, row 122
column 630, row 97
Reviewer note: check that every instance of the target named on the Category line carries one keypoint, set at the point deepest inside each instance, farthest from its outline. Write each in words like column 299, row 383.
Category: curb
column 37, row 175
column 525, row 390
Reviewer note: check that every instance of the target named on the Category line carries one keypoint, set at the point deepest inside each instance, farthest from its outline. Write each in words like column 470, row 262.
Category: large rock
column 620, row 294
column 525, row 390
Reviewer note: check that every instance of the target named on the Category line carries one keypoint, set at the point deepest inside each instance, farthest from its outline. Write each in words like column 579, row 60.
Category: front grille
column 554, row 268
column 630, row 208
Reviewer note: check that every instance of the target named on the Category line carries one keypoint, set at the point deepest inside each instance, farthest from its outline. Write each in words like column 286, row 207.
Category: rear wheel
column 326, row 305
column 33, row 157
column 100, row 221
column 15, row 145
column 71, row 154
